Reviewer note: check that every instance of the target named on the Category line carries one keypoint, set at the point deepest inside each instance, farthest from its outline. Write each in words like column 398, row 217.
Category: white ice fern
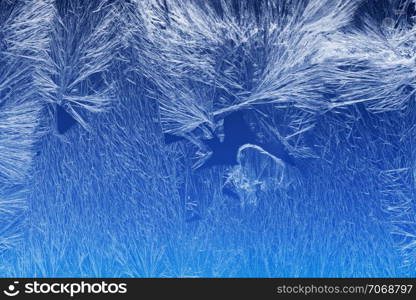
column 209, row 60
column 377, row 60
column 82, row 46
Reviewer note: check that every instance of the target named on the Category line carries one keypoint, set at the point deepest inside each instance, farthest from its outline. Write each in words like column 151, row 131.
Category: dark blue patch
column 171, row 138
column 236, row 134
column 64, row 121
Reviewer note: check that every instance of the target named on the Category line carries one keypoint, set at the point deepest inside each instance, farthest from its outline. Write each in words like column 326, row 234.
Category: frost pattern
column 328, row 84
column 82, row 45
column 375, row 61
column 382, row 44
column 258, row 171
column 210, row 60
column 18, row 105
column 23, row 31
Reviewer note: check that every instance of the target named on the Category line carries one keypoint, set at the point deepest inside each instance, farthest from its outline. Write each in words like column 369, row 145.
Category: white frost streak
column 376, row 62
column 23, row 36
column 241, row 61
column 82, row 46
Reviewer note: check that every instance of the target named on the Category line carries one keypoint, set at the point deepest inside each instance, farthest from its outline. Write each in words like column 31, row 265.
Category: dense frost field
column 167, row 138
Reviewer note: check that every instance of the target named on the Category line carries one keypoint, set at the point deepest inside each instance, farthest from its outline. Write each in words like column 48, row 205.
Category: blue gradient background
column 117, row 201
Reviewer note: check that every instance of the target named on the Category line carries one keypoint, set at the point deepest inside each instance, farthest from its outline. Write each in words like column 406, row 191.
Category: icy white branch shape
column 376, row 59
column 82, row 46
column 24, row 29
column 209, row 59
column 23, row 35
